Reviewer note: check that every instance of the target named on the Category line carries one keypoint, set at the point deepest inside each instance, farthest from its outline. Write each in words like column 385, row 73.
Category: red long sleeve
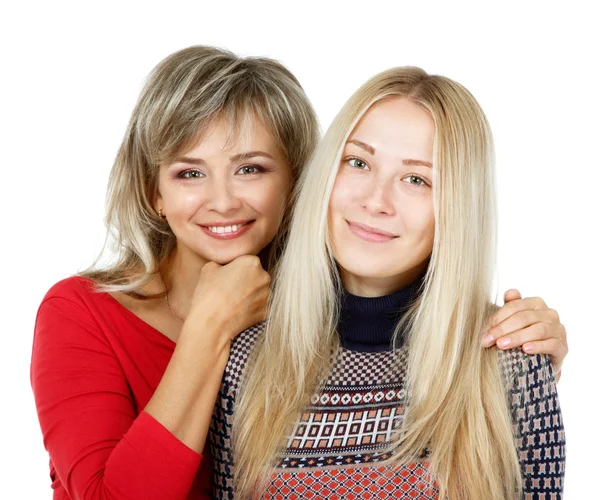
column 94, row 367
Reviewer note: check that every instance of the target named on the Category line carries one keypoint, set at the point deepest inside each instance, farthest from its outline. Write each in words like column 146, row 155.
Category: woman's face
column 225, row 200
column 381, row 209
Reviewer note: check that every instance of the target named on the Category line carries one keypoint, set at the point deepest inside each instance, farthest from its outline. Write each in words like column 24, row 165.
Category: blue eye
column 358, row 164
column 250, row 170
column 190, row 174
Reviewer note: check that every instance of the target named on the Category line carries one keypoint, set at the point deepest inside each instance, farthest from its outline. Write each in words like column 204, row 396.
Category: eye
column 249, row 170
column 358, row 164
column 416, row 180
column 190, row 174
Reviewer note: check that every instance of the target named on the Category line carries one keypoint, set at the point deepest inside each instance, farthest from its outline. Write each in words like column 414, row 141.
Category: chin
column 373, row 270
column 224, row 258
column 223, row 261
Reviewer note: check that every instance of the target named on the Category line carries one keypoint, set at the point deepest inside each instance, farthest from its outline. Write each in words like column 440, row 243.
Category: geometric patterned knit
column 337, row 445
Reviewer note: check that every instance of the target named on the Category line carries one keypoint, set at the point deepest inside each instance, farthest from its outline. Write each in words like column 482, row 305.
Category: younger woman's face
column 225, row 200
column 381, row 216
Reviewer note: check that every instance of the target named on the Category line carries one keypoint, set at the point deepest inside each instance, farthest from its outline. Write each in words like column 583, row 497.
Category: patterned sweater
column 337, row 445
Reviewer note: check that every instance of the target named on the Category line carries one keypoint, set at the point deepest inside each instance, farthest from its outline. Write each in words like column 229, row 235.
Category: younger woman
column 370, row 379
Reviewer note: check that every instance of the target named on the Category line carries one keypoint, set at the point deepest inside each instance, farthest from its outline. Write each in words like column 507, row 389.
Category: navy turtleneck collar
column 367, row 323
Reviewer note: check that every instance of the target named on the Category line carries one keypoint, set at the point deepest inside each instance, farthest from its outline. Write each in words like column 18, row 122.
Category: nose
column 378, row 197
column 221, row 197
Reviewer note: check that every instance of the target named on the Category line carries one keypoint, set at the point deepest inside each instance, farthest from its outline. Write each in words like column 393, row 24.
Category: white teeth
column 224, row 229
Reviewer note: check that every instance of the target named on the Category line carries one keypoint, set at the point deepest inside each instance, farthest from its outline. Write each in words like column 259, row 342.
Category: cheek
column 268, row 198
column 187, row 202
column 180, row 200
column 422, row 222
column 342, row 194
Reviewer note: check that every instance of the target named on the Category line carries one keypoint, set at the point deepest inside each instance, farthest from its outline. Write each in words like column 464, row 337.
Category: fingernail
column 528, row 347
column 503, row 343
column 488, row 340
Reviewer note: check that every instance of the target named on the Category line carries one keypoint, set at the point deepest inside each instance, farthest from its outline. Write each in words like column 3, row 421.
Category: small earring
column 161, row 215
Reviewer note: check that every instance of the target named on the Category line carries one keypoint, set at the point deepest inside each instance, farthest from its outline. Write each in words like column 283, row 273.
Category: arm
column 531, row 324
column 540, row 432
column 98, row 446
column 227, row 300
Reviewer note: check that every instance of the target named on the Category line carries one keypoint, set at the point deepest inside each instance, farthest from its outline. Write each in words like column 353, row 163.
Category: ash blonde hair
column 183, row 95
column 458, row 405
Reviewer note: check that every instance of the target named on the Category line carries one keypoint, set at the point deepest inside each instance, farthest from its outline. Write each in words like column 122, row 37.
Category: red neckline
column 128, row 312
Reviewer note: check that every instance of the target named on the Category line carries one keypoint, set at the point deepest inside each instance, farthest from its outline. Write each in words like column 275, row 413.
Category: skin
column 529, row 323
column 209, row 185
column 216, row 286
column 380, row 186
column 384, row 184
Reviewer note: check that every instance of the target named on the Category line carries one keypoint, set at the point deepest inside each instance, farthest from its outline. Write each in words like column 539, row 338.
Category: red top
column 95, row 366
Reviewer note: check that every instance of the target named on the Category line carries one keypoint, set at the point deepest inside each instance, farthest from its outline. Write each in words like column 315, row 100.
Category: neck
column 181, row 272
column 368, row 324
column 368, row 286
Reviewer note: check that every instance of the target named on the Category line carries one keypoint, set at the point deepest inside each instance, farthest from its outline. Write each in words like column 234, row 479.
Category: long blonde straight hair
column 458, row 405
column 182, row 97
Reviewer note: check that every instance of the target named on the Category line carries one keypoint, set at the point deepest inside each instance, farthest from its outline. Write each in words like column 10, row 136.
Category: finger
column 562, row 334
column 248, row 260
column 536, row 331
column 267, row 278
column 517, row 322
column 514, row 306
column 512, row 294
column 556, row 349
column 509, row 295
column 209, row 268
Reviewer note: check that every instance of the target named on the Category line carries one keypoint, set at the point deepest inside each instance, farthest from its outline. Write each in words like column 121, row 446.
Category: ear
column 157, row 201
column 157, row 204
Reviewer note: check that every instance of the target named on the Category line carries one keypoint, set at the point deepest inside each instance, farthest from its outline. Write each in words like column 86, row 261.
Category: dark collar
column 368, row 323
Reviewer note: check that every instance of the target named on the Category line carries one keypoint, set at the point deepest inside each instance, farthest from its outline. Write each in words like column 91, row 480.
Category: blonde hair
column 183, row 95
column 458, row 405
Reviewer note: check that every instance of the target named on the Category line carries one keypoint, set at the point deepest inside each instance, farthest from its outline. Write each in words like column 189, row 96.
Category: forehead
column 222, row 135
column 397, row 124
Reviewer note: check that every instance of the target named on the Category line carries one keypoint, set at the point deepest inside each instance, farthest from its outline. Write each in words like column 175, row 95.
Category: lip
column 246, row 225
column 370, row 234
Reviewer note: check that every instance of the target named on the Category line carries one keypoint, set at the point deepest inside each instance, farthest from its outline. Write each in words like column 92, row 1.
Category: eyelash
column 354, row 158
column 412, row 176
column 423, row 181
column 185, row 174
column 259, row 169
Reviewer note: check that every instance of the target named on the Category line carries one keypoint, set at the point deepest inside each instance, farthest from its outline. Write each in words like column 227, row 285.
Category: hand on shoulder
column 530, row 324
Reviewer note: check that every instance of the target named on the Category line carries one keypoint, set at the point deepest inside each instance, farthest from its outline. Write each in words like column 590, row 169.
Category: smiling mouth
column 226, row 230
column 370, row 234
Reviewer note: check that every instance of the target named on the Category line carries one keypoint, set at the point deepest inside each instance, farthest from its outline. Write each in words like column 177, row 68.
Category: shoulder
column 537, row 422
column 530, row 383
column 71, row 305
column 512, row 363
column 75, row 289
column 515, row 364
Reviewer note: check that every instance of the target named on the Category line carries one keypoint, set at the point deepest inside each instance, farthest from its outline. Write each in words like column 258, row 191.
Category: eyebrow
column 407, row 161
column 250, row 154
column 366, row 147
column 234, row 158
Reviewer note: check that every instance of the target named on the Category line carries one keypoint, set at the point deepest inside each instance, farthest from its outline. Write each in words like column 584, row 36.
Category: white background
column 70, row 75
